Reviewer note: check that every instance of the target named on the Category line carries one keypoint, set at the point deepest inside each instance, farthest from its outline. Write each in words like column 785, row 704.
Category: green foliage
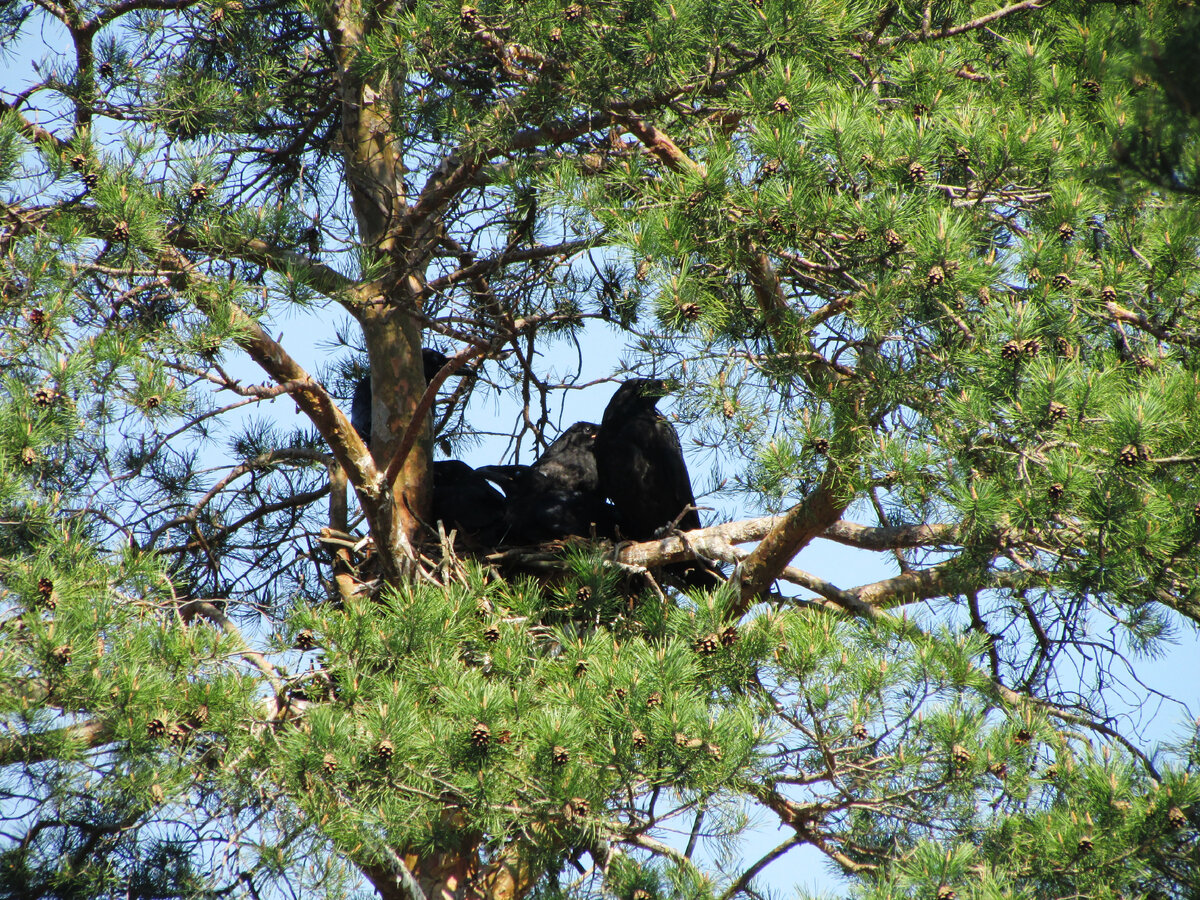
column 924, row 276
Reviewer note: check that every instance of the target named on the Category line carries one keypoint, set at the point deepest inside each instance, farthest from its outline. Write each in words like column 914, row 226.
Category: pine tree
column 925, row 276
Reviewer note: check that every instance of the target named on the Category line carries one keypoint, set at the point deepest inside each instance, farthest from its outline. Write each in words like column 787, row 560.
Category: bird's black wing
column 464, row 500
column 643, row 471
column 360, row 408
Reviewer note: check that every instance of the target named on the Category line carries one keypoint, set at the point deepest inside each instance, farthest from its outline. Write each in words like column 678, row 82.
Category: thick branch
column 327, row 280
column 40, row 746
column 206, row 609
column 1140, row 322
column 803, row 522
column 981, row 22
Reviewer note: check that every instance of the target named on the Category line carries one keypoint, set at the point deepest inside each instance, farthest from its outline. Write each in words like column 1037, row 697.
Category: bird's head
column 632, row 397
column 648, row 390
column 580, row 433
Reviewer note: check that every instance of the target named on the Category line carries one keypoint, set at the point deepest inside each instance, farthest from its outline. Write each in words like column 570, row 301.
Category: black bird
column 464, row 500
column 640, row 462
column 559, row 495
column 642, row 470
column 360, row 405
column 570, row 462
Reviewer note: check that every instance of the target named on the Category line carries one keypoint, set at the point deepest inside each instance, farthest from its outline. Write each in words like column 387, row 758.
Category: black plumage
column 558, row 496
column 465, row 501
column 640, row 462
column 360, row 404
column 570, row 462
column 642, row 470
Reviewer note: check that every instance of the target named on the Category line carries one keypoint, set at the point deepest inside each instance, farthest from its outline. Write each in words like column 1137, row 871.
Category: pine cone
column 985, row 296
column 919, row 110
column 769, row 168
column 621, row 693
column 707, row 645
column 1032, row 347
column 106, row 69
column 936, row 276
column 1051, row 772
column 642, row 893
column 29, row 456
column 963, row 154
column 639, row 739
column 90, row 179
column 1130, row 456
column 1091, row 88
column 861, row 235
column 577, row 808
column 1024, row 736
column 176, row 733
column 306, row 640
column 892, row 239
column 468, row 17
column 156, row 728
column 999, row 769
column 1055, row 492
column 729, row 636
column 728, row 409
column 782, row 105
column 1061, row 281
column 945, row 892
column 78, row 161
column 61, row 655
column 481, row 736
column 1011, row 349
column 1176, row 817
column 329, row 764
column 1085, row 844
column 1108, row 294
column 581, row 668
column 583, row 595
column 573, row 12
column 690, row 311
column 153, row 401
column 198, row 191
column 1063, row 347
column 655, row 699
column 917, row 172
column 1056, row 412
column 46, row 589
column 556, row 35
column 961, row 755
column 199, row 717
column 491, row 634
column 859, row 730
column 1066, row 231
column 120, row 231
column 560, row 756
column 385, row 750
column 36, row 316
column 820, row 446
